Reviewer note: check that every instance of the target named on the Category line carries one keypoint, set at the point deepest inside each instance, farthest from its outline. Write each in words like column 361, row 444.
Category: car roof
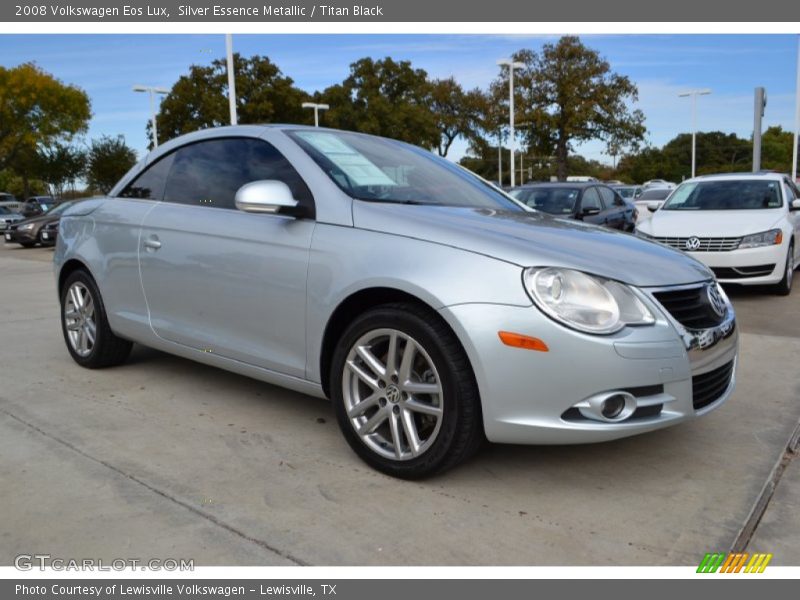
column 562, row 184
column 762, row 175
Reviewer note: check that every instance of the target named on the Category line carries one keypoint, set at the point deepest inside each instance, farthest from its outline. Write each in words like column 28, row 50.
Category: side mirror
column 267, row 196
column 653, row 206
column 795, row 205
column 590, row 210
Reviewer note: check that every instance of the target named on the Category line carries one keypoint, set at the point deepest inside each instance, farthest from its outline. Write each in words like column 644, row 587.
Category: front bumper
column 525, row 394
column 750, row 266
column 48, row 237
column 16, row 236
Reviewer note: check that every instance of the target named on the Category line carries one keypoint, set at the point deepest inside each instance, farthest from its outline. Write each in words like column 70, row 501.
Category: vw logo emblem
column 715, row 300
column 393, row 394
column 693, row 243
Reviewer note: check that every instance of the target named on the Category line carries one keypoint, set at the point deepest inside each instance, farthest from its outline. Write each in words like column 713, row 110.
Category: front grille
column 743, row 272
column 707, row 244
column 709, row 387
column 690, row 307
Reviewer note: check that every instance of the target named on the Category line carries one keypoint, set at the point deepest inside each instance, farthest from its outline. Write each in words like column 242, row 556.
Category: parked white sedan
column 746, row 227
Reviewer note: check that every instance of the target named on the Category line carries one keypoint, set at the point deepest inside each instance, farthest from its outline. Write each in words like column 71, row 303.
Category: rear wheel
column 89, row 338
column 784, row 288
column 404, row 393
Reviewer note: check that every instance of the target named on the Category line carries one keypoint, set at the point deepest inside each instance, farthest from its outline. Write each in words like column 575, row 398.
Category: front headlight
column 27, row 227
column 773, row 237
column 585, row 302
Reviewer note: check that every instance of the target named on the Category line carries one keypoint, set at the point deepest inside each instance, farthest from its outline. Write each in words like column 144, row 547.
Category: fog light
column 613, row 406
column 609, row 407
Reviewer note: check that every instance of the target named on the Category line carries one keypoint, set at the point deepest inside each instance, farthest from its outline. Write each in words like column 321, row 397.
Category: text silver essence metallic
column 430, row 307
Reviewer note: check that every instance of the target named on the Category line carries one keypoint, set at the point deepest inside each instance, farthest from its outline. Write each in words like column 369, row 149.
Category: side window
column 790, row 191
column 609, row 197
column 209, row 173
column 149, row 185
column 591, row 199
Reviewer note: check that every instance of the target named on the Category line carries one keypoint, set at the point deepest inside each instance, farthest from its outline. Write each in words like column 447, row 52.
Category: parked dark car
column 28, row 232
column 37, row 205
column 8, row 217
column 590, row 202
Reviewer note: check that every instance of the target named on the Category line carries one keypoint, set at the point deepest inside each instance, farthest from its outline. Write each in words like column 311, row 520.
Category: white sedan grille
column 701, row 244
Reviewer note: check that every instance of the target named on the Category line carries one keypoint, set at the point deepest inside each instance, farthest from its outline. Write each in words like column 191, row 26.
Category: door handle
column 152, row 243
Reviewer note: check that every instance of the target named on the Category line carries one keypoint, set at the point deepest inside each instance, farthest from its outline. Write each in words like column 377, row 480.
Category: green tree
column 61, row 165
column 385, row 98
column 36, row 110
column 109, row 158
column 457, row 113
column 199, row 100
column 569, row 94
column 776, row 149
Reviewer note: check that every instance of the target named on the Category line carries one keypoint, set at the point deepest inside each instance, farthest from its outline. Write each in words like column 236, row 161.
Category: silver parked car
column 431, row 308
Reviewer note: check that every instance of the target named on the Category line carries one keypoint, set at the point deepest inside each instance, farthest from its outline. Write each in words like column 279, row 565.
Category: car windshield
column 57, row 210
column 657, row 194
column 739, row 194
column 625, row 192
column 381, row 170
column 553, row 200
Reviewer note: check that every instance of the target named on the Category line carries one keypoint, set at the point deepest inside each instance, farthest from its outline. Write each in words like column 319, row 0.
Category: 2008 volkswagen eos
column 433, row 310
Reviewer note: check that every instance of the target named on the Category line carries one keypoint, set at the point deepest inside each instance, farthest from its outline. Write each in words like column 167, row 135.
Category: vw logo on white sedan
column 692, row 244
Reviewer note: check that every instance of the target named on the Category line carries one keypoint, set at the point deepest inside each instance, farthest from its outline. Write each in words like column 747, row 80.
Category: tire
column 433, row 402
column 106, row 350
column 784, row 288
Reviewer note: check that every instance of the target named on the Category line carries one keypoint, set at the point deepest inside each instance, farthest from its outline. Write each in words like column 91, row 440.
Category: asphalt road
column 165, row 458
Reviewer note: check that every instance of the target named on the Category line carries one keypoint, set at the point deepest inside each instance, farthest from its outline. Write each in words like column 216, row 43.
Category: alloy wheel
column 392, row 394
column 79, row 319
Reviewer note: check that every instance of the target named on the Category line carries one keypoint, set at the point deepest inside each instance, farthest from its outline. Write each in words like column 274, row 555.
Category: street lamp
column 231, row 78
column 694, row 94
column 152, row 91
column 317, row 107
column 796, row 116
column 511, row 64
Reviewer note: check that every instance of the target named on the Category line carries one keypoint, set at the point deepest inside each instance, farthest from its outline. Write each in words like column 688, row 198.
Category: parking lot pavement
column 163, row 457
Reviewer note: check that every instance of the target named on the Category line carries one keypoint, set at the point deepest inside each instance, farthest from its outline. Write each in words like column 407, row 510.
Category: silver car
column 432, row 309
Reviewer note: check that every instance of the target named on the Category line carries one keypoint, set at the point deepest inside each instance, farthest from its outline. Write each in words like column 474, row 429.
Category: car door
column 591, row 209
column 221, row 280
column 615, row 208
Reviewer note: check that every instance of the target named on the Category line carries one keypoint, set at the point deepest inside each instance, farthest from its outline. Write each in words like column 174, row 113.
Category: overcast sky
column 106, row 66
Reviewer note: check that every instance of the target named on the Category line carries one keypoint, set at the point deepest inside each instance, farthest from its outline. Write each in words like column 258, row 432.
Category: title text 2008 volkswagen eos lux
column 427, row 305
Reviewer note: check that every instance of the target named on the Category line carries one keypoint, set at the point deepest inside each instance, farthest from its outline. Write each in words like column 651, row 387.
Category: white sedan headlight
column 773, row 237
column 585, row 302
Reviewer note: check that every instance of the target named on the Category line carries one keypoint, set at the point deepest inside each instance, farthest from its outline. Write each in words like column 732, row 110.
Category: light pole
column 317, row 107
column 500, row 158
column 694, row 94
column 152, row 91
column 231, row 79
column 796, row 115
column 511, row 64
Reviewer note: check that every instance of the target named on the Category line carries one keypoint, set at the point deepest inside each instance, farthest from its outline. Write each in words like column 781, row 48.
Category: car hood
column 39, row 219
column 535, row 239
column 710, row 223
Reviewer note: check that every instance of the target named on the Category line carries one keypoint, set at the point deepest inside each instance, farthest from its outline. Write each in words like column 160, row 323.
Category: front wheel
column 88, row 335
column 784, row 288
column 404, row 392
